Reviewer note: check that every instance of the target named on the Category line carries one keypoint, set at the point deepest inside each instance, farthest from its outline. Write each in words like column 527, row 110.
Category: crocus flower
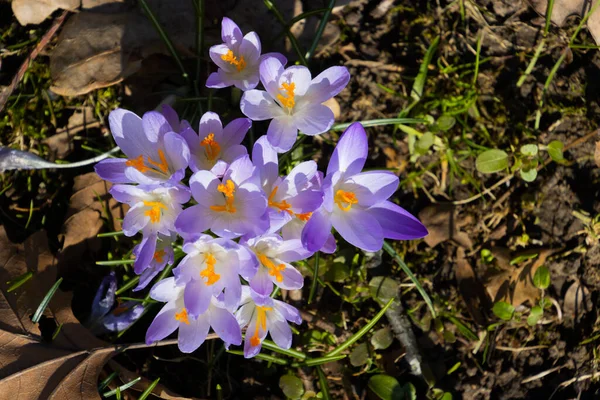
column 148, row 267
column 155, row 154
column 356, row 203
column 238, row 58
column 289, row 197
column 263, row 315
column 172, row 118
column 216, row 147
column 210, row 267
column 293, row 101
column 123, row 316
column 231, row 207
column 273, row 255
column 192, row 330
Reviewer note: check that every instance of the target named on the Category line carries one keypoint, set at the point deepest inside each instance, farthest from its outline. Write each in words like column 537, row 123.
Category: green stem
column 313, row 285
column 289, row 34
column 320, row 30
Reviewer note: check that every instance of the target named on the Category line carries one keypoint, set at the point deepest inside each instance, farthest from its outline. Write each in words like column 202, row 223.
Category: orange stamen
column 288, row 101
column 228, row 189
column 274, row 270
column 182, row 316
column 211, row 147
column 282, row 205
column 209, row 271
column 159, row 256
column 240, row 63
column 304, row 217
column 154, row 211
column 345, row 200
column 261, row 321
column 138, row 163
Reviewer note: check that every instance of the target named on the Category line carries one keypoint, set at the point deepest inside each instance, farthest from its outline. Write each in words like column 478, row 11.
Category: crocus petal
column 225, row 325
column 104, row 298
column 351, row 151
column 216, row 81
column 135, row 220
column 313, row 119
column 299, row 177
column 266, row 161
column 155, row 125
column 163, row 325
column 373, row 187
column 230, row 32
column 330, row 245
column 122, row 321
column 192, row 221
column 258, row 105
column 164, row 290
column 145, row 255
column 192, row 335
column 129, row 134
column 261, row 283
column 271, row 69
column 292, row 250
column 112, row 170
column 282, row 133
column 358, row 228
column 235, row 131
column 230, row 155
column 146, row 277
column 280, row 57
column 397, row 223
column 244, row 313
column 279, row 330
column 171, row 116
column 177, row 151
column 128, row 194
column 306, row 201
column 316, row 231
column 196, row 297
column 250, row 47
column 289, row 312
column 292, row 278
column 216, row 54
column 328, row 84
column 204, row 188
column 210, row 123
column 299, row 76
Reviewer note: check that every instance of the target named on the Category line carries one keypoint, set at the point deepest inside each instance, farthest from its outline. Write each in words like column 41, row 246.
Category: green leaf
column 409, row 392
column 360, row 355
column 529, row 150
column 383, row 288
column 491, row 161
column 503, row 310
column 382, row 339
column 291, row 386
column 424, row 143
column 555, row 150
column 541, row 278
column 528, row 175
column 535, row 315
column 45, row 301
column 385, row 387
column 417, row 89
column 337, row 272
column 445, row 122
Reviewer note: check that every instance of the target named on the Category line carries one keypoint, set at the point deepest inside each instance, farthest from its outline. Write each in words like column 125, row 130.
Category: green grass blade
column 313, row 285
column 323, row 383
column 548, row 17
column 122, row 387
column 417, row 90
column 289, row 34
column 267, row 344
column 320, row 30
column 536, row 56
column 260, row 356
column 149, row 390
column 109, row 263
column 584, row 21
column 380, row 122
column 306, row 15
column 19, row 281
column 130, row 283
column 110, row 234
column 45, row 301
column 362, row 331
column 389, row 249
column 313, row 362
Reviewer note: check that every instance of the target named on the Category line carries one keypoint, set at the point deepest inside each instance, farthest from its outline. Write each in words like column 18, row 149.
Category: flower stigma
column 239, row 63
column 154, row 212
column 227, row 189
column 211, row 147
column 182, row 316
column 345, row 200
column 274, row 270
column 288, row 101
column 282, row 205
column 209, row 271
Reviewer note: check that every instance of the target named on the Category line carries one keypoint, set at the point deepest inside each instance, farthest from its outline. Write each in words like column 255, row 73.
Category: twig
column 25, row 65
column 542, row 374
column 520, row 349
column 168, row 342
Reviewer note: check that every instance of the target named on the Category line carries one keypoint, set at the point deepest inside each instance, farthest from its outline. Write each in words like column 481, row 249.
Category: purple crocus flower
column 273, row 255
column 211, row 267
column 155, row 154
column 356, row 203
column 289, row 197
column 293, row 100
column 172, row 118
column 123, row 316
column 192, row 330
column 161, row 256
column 263, row 315
column 216, row 147
column 231, row 207
column 238, row 58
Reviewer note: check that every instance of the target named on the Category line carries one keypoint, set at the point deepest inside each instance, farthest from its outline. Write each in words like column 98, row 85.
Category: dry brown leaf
column 511, row 283
column 61, row 142
column 36, row 11
column 565, row 8
column 86, row 218
column 597, row 154
column 576, row 303
column 471, row 290
column 442, row 224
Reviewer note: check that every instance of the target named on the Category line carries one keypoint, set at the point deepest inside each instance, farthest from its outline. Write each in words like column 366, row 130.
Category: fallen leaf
column 511, row 283
column 597, row 154
column 576, row 303
column 471, row 290
column 562, row 9
column 61, row 143
column 86, row 217
column 36, row 11
column 442, row 224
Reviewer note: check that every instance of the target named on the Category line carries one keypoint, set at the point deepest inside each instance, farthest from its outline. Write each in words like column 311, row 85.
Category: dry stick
column 542, row 374
column 142, row 345
column 40, row 46
column 574, row 143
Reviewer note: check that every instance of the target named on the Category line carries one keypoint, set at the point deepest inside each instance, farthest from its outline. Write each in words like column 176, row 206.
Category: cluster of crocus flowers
column 243, row 224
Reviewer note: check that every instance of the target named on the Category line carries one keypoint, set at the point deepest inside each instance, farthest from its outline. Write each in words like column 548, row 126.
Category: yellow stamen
column 228, row 189
column 274, row 270
column 304, row 217
column 261, row 321
column 239, row 63
column 288, row 101
column 138, row 163
column 282, row 205
column 211, row 147
column 154, row 211
column 209, row 271
column 121, row 308
column 159, row 255
column 182, row 316
column 345, row 200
